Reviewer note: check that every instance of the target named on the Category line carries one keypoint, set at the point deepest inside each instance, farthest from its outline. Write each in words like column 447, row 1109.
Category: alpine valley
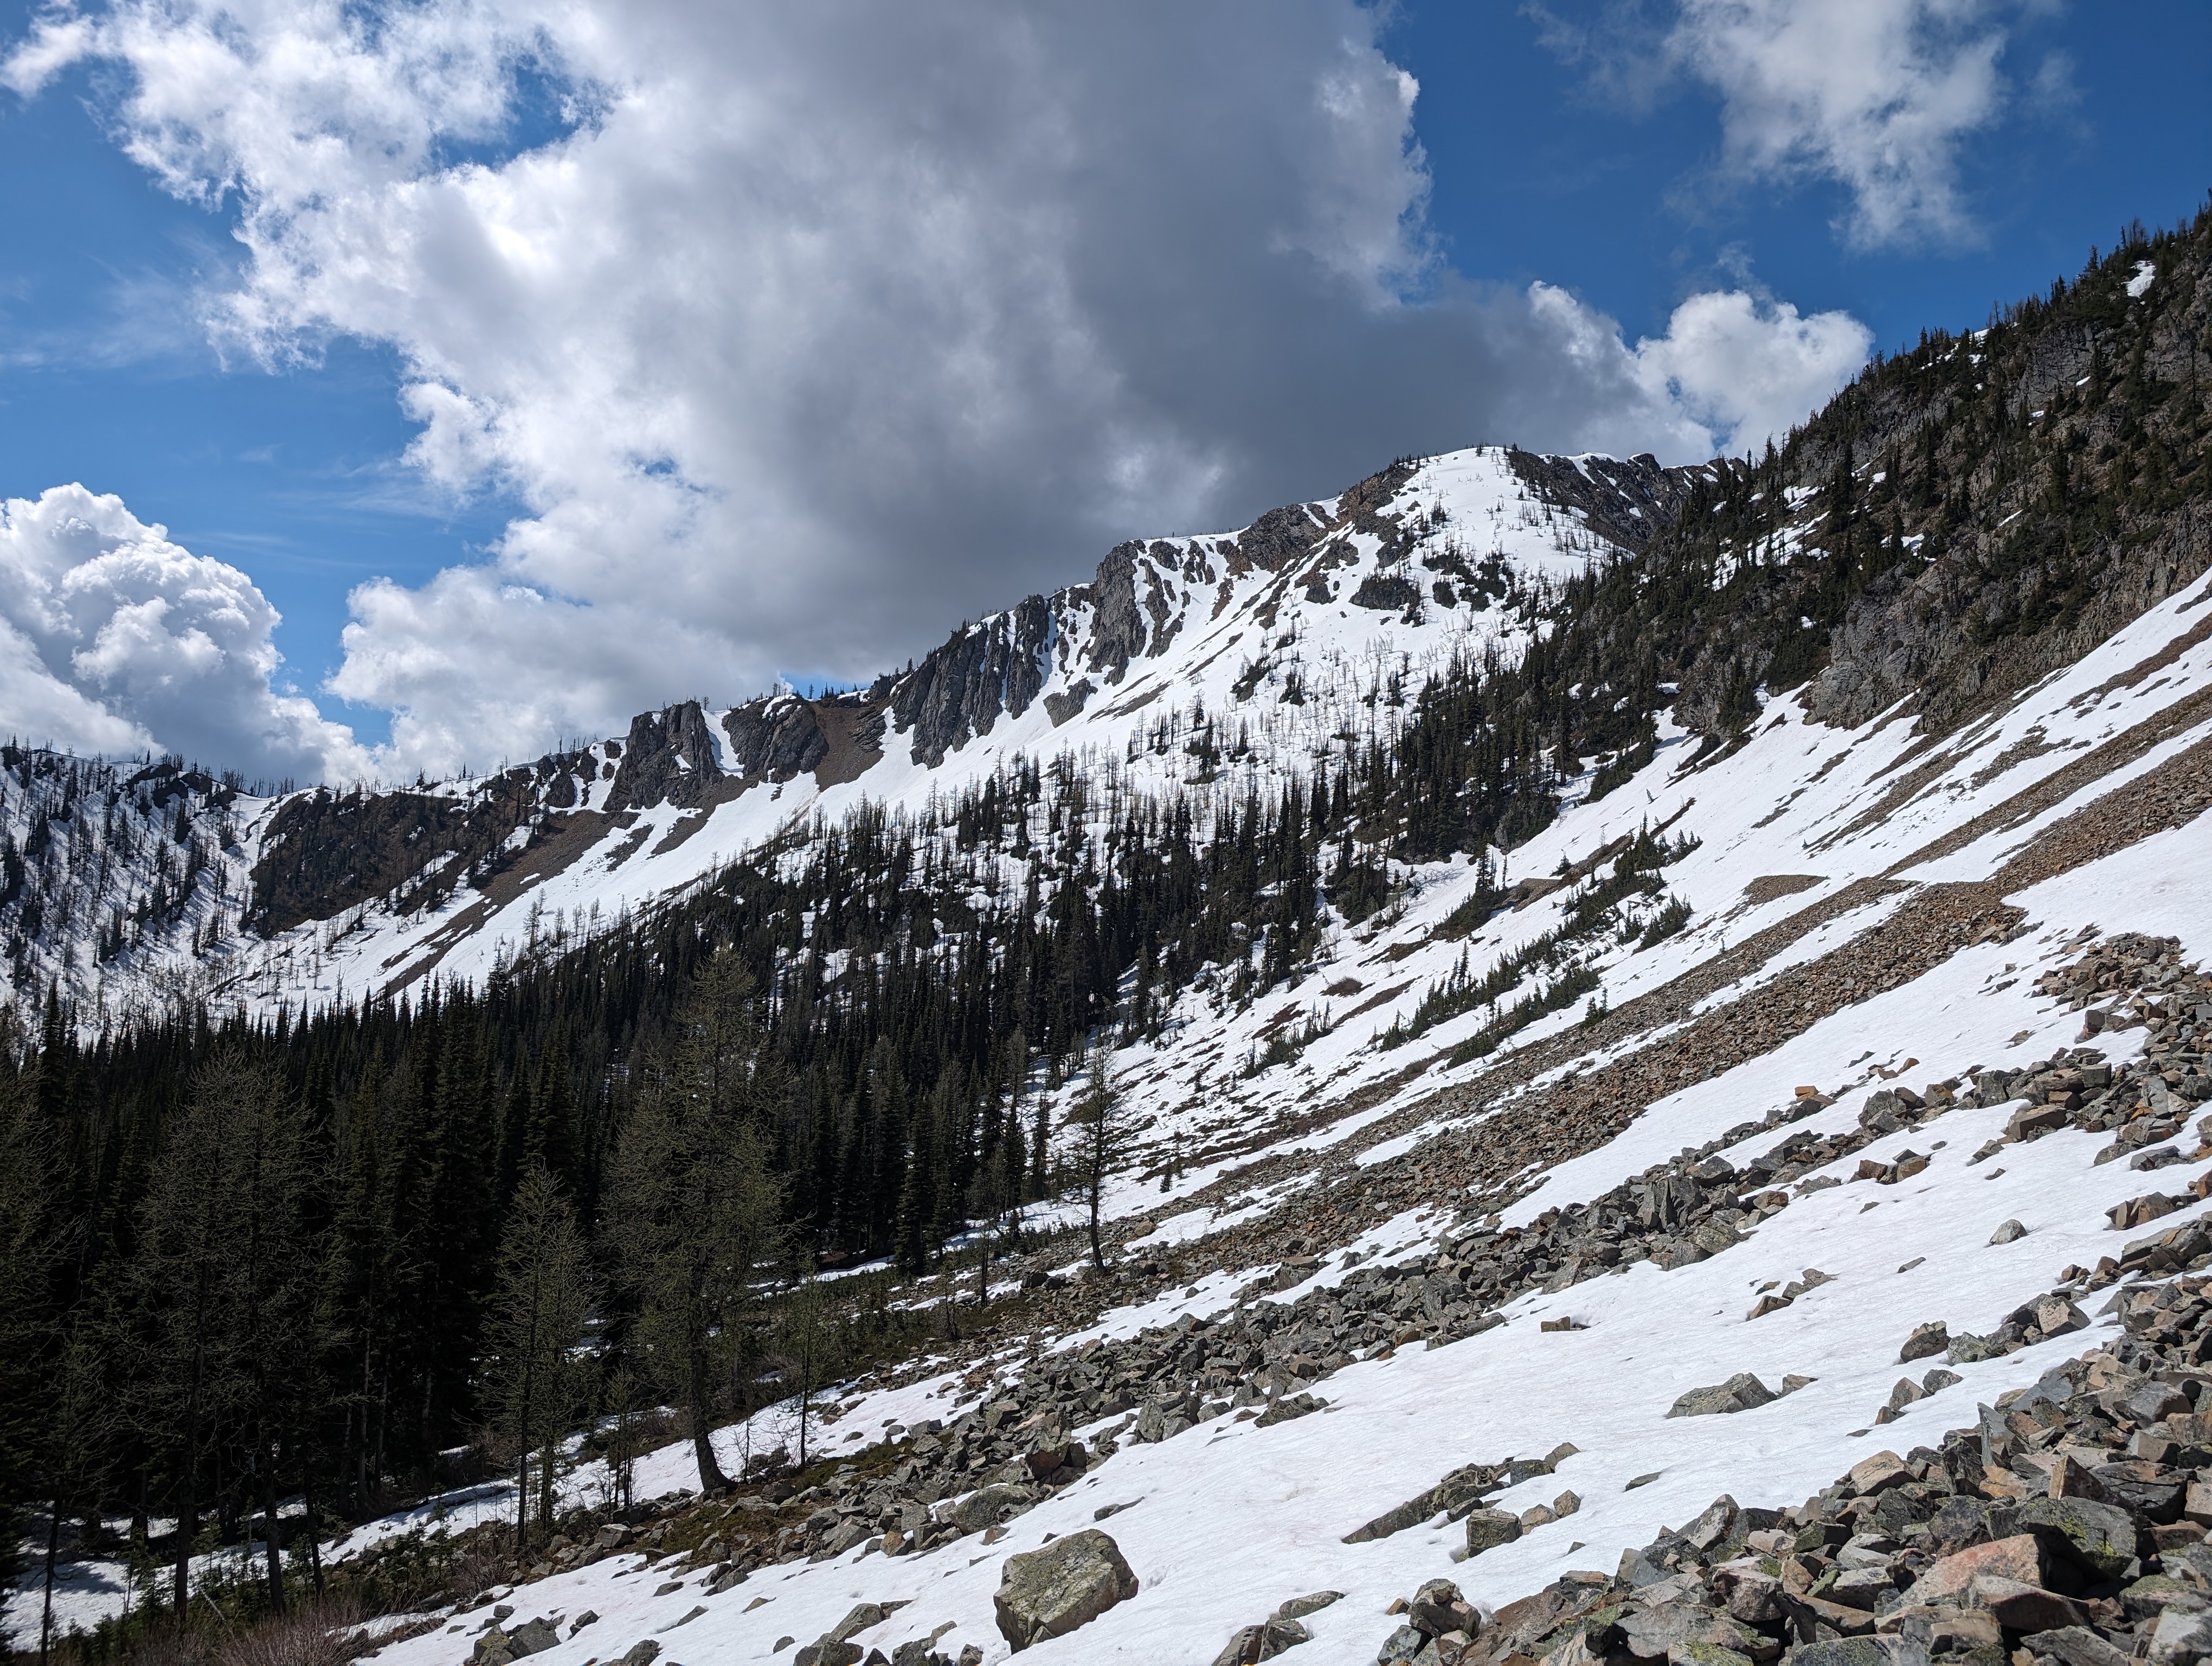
column 1543, row 1059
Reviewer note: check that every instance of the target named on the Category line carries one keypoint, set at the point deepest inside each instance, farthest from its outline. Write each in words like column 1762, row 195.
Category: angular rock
column 1877, row 1473
column 1438, row 1608
column 2021, row 1559
column 1953, row 1630
column 1931, row 1338
column 1265, row 1641
column 2077, row 1645
column 1488, row 1529
column 2101, row 1536
column 532, row 1637
column 990, row 1506
column 2181, row 1639
column 2020, row 1608
column 1657, row 1631
column 1402, row 1646
column 1068, row 1584
column 1750, row 1592
column 1740, row 1393
column 1848, row 1651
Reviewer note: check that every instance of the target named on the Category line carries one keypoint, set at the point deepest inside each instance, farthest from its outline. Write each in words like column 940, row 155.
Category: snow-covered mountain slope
column 1982, row 922
column 1258, row 652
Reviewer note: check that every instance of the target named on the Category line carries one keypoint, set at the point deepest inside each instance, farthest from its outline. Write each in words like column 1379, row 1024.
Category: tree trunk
column 269, row 1533
column 53, row 1553
column 1097, row 1187
column 522, row 1502
column 314, row 1524
column 189, row 1507
column 712, row 1482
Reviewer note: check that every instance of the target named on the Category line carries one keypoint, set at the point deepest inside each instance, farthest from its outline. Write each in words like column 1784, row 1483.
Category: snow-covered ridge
column 1284, row 639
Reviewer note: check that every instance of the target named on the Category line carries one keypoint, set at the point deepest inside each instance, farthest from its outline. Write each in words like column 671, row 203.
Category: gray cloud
column 823, row 326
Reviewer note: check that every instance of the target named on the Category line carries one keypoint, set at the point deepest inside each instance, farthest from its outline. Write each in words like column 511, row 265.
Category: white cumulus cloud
column 112, row 639
column 1877, row 94
column 801, row 332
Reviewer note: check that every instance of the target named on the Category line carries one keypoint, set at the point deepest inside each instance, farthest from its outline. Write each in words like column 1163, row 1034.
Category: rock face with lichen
column 1050, row 1592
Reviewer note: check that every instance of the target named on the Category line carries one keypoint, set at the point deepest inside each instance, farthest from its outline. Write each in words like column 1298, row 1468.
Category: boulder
column 989, row 1506
column 1851, row 1652
column 1070, row 1582
column 1402, row 1646
column 1740, row 1393
column 1932, row 1337
column 1488, row 1529
column 1265, row 1641
column 2077, row 1645
column 1660, row 1632
column 2101, row 1536
column 1752, row 1594
column 2026, row 1609
column 2020, row 1559
column 1952, row 1630
column 2181, row 1639
column 1438, row 1608
column 1877, row 1473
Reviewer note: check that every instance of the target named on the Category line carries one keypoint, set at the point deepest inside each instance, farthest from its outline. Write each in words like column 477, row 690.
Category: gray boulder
column 989, row 1506
column 1488, row 1529
column 1931, row 1338
column 1070, row 1582
column 1739, row 1394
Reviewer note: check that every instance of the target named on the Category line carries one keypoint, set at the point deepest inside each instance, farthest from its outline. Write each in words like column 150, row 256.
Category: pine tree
column 270, row 1284
column 193, row 1283
column 807, row 1338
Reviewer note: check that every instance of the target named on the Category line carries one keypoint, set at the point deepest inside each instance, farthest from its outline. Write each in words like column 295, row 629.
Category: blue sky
column 1550, row 151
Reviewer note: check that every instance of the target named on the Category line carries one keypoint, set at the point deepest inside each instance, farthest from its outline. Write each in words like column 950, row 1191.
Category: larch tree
column 692, row 1210
column 531, row 1383
column 1102, row 1138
